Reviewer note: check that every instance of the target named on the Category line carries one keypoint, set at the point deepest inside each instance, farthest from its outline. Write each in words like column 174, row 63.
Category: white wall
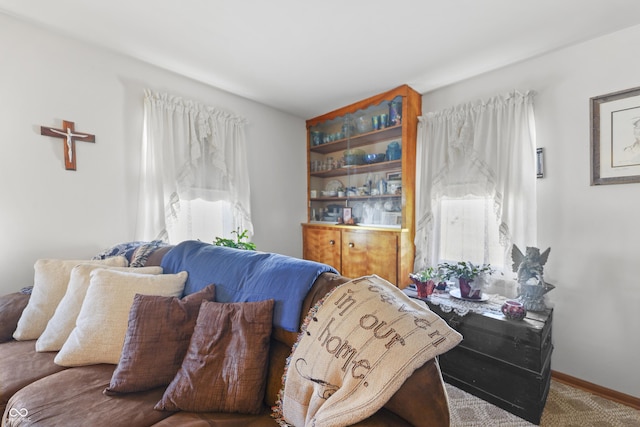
column 595, row 246
column 47, row 211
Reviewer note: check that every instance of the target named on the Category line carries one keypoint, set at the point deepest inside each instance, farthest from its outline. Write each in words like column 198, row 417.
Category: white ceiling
column 309, row 57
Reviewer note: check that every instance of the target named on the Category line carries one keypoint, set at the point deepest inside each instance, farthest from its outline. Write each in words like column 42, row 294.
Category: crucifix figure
column 70, row 137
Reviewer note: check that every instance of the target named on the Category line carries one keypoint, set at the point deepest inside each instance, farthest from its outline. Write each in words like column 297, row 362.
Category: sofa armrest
column 11, row 307
column 422, row 400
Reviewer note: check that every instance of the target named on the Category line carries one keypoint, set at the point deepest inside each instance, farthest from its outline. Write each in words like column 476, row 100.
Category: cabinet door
column 367, row 252
column 322, row 245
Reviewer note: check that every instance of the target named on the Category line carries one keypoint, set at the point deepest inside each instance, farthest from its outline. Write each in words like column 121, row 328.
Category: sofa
column 36, row 389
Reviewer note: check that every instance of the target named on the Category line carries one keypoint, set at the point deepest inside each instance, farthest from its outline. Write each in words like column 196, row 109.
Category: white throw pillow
column 49, row 286
column 64, row 319
column 102, row 323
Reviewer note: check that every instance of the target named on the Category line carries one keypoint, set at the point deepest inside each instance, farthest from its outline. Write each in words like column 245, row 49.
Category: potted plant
column 238, row 243
column 468, row 276
column 426, row 280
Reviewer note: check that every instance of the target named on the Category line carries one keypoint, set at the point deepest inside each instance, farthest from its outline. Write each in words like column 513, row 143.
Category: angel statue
column 530, row 265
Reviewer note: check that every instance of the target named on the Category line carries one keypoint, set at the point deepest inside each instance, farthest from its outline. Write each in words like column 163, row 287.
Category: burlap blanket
column 357, row 347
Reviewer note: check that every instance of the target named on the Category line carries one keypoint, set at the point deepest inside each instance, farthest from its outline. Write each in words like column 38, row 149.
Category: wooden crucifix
column 70, row 136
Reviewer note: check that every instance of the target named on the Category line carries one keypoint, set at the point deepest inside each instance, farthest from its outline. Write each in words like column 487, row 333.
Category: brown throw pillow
column 157, row 340
column 11, row 307
column 226, row 365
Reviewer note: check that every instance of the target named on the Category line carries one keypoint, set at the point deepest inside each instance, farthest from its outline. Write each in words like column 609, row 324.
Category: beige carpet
column 566, row 407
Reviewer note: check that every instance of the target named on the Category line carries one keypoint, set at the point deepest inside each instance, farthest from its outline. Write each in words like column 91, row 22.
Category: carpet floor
column 566, row 407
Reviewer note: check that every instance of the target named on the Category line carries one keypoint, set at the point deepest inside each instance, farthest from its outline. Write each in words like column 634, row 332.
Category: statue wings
column 517, row 256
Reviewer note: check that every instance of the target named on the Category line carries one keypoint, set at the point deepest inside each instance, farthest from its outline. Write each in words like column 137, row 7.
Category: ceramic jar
column 317, row 138
column 394, row 152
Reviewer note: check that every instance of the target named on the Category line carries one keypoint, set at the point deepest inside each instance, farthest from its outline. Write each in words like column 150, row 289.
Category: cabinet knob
column 332, row 242
column 351, row 245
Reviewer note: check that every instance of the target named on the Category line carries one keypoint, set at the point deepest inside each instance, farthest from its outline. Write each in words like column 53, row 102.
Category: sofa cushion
column 49, row 286
column 157, row 340
column 73, row 397
column 21, row 365
column 226, row 364
column 64, row 318
column 102, row 322
column 11, row 308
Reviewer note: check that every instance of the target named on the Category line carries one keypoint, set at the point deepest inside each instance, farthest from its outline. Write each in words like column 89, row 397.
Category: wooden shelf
column 354, row 198
column 358, row 140
column 352, row 170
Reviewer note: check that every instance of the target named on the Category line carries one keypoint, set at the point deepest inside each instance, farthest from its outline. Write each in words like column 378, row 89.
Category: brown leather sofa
column 36, row 391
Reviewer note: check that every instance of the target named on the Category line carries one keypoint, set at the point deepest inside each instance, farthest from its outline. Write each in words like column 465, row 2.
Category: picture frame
column 615, row 137
column 346, row 215
column 539, row 162
column 394, row 175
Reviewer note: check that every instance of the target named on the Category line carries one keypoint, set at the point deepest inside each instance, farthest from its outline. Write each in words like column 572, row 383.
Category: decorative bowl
column 514, row 310
column 354, row 157
column 374, row 158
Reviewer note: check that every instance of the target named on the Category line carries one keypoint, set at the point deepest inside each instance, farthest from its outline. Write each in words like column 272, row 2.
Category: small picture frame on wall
column 615, row 137
column 540, row 162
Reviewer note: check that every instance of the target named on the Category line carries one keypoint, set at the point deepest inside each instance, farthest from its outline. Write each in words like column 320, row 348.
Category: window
column 201, row 220
column 469, row 231
column 194, row 180
column 475, row 175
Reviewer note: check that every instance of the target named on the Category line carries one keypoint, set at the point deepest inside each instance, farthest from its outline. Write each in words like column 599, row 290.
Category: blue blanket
column 243, row 276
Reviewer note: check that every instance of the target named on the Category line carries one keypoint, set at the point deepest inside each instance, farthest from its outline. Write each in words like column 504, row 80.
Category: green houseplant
column 426, row 280
column 467, row 274
column 238, row 242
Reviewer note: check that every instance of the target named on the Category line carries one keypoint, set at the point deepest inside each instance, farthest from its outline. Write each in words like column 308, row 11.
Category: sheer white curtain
column 482, row 152
column 190, row 152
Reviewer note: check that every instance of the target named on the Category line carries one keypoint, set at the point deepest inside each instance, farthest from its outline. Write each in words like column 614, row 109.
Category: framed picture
column 540, row 162
column 615, row 138
column 395, row 175
column 346, row 215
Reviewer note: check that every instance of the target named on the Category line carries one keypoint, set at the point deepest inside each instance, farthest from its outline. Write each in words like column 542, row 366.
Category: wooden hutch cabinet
column 361, row 166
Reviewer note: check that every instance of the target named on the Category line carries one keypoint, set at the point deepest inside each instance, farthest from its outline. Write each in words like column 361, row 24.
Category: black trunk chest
column 505, row 362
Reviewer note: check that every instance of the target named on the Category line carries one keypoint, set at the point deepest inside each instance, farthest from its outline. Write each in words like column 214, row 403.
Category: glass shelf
column 358, row 140
column 357, row 169
column 354, row 198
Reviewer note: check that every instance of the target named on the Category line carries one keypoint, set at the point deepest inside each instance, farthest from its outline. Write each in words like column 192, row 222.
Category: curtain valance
column 190, row 151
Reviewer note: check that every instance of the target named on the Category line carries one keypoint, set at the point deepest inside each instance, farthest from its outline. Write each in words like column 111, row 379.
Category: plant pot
column 424, row 288
column 466, row 290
